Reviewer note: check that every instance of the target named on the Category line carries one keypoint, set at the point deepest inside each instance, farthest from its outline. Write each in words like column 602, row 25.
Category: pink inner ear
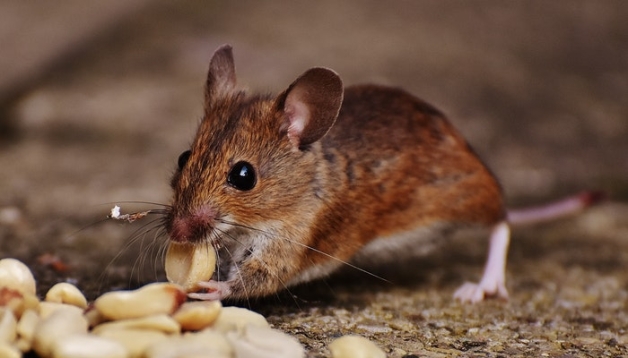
column 310, row 106
column 298, row 115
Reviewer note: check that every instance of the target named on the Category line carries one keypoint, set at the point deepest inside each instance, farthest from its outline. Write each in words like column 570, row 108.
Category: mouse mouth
column 234, row 246
column 230, row 258
column 223, row 265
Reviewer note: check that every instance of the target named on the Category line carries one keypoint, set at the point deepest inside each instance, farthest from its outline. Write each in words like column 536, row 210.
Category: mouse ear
column 221, row 78
column 310, row 105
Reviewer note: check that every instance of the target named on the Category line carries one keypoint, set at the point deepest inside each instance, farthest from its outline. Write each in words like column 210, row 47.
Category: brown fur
column 389, row 164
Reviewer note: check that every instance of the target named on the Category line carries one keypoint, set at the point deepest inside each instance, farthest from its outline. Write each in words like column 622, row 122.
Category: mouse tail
column 555, row 210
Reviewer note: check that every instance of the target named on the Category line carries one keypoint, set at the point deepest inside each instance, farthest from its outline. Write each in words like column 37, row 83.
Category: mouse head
column 251, row 166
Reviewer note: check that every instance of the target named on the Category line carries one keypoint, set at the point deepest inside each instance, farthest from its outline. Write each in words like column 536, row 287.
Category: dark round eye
column 242, row 176
column 183, row 158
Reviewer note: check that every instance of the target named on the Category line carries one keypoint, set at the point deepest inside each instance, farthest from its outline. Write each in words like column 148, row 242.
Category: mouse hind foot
column 493, row 282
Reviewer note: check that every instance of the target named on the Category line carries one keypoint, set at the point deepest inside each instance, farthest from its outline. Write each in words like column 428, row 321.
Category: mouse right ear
column 310, row 105
column 221, row 78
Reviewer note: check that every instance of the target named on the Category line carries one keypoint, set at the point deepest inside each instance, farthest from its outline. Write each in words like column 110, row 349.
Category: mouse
column 289, row 188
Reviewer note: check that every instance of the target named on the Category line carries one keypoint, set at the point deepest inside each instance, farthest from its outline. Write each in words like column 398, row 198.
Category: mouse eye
column 242, row 176
column 183, row 159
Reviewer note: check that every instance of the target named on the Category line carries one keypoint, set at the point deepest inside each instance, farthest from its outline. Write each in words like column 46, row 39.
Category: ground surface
column 98, row 102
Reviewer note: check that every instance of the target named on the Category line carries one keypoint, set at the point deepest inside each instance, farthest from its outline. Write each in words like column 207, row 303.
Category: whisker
column 84, row 228
column 155, row 243
column 287, row 289
column 239, row 273
column 163, row 250
column 133, row 238
column 162, row 210
column 135, row 202
column 218, row 259
column 140, row 235
column 155, row 249
column 343, row 262
column 231, row 237
column 337, row 260
column 115, row 214
column 160, row 247
column 147, row 253
column 242, row 226
column 241, row 279
column 276, row 276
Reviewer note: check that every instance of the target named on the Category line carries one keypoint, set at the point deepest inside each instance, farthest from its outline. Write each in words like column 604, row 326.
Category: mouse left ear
column 221, row 77
column 310, row 105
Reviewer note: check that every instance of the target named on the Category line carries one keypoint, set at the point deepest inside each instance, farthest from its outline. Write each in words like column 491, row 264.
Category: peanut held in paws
column 188, row 264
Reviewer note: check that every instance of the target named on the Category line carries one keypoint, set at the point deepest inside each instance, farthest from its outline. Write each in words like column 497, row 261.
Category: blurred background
column 98, row 99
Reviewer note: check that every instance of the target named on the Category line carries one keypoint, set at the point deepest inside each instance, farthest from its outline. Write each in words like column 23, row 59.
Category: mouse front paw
column 476, row 292
column 214, row 291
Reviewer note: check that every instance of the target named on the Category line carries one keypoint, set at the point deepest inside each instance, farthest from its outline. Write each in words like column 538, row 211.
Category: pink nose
column 192, row 228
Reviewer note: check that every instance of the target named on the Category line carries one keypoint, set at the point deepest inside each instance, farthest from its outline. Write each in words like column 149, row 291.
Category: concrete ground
column 98, row 101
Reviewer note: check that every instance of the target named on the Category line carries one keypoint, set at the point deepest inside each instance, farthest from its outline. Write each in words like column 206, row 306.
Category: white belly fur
column 417, row 242
column 384, row 249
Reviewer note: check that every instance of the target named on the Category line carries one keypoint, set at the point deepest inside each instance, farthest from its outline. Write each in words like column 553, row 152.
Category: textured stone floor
column 96, row 112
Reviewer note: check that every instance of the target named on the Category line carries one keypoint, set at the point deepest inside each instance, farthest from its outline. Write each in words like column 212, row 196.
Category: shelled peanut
column 154, row 321
column 355, row 347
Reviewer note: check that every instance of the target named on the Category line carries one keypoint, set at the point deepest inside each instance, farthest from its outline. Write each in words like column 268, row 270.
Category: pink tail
column 555, row 210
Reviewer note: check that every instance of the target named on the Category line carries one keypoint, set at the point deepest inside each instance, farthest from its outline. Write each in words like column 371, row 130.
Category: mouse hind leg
column 493, row 282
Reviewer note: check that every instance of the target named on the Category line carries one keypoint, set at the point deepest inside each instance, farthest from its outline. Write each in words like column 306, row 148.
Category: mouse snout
column 191, row 228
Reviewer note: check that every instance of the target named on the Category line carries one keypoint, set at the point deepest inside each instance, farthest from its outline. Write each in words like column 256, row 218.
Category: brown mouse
column 289, row 188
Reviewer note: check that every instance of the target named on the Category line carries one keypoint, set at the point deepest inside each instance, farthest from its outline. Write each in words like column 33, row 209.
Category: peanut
column 8, row 326
column 87, row 346
column 236, row 318
column 194, row 316
column 14, row 274
column 64, row 292
column 135, row 341
column 193, row 345
column 151, row 299
column 26, row 329
column 355, row 347
column 262, row 342
column 188, row 264
column 159, row 322
column 61, row 323
column 8, row 351
column 45, row 309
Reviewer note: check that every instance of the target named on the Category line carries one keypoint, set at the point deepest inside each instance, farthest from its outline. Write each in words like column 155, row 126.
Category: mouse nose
column 191, row 228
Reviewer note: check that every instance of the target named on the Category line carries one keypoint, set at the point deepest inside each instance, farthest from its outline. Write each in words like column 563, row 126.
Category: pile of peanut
column 154, row 321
